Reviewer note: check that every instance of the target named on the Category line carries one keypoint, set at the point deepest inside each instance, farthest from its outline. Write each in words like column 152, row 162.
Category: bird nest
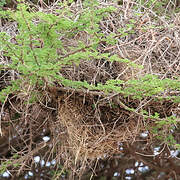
column 94, row 129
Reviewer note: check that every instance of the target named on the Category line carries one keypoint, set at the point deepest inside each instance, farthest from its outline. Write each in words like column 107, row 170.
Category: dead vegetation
column 88, row 125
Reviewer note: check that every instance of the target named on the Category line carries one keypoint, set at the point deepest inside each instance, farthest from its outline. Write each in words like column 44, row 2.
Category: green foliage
column 59, row 172
column 7, row 163
column 147, row 86
column 34, row 54
column 150, row 85
column 177, row 146
column 2, row 3
column 4, row 165
column 158, row 6
column 164, row 128
column 129, row 29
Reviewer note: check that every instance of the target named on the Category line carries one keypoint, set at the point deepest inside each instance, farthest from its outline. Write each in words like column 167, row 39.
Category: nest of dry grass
column 95, row 132
column 95, row 127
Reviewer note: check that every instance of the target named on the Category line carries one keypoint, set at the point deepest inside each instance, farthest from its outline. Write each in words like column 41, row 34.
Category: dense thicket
column 89, row 89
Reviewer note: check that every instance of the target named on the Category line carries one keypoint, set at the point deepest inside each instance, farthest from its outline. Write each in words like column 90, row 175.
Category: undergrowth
column 38, row 53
